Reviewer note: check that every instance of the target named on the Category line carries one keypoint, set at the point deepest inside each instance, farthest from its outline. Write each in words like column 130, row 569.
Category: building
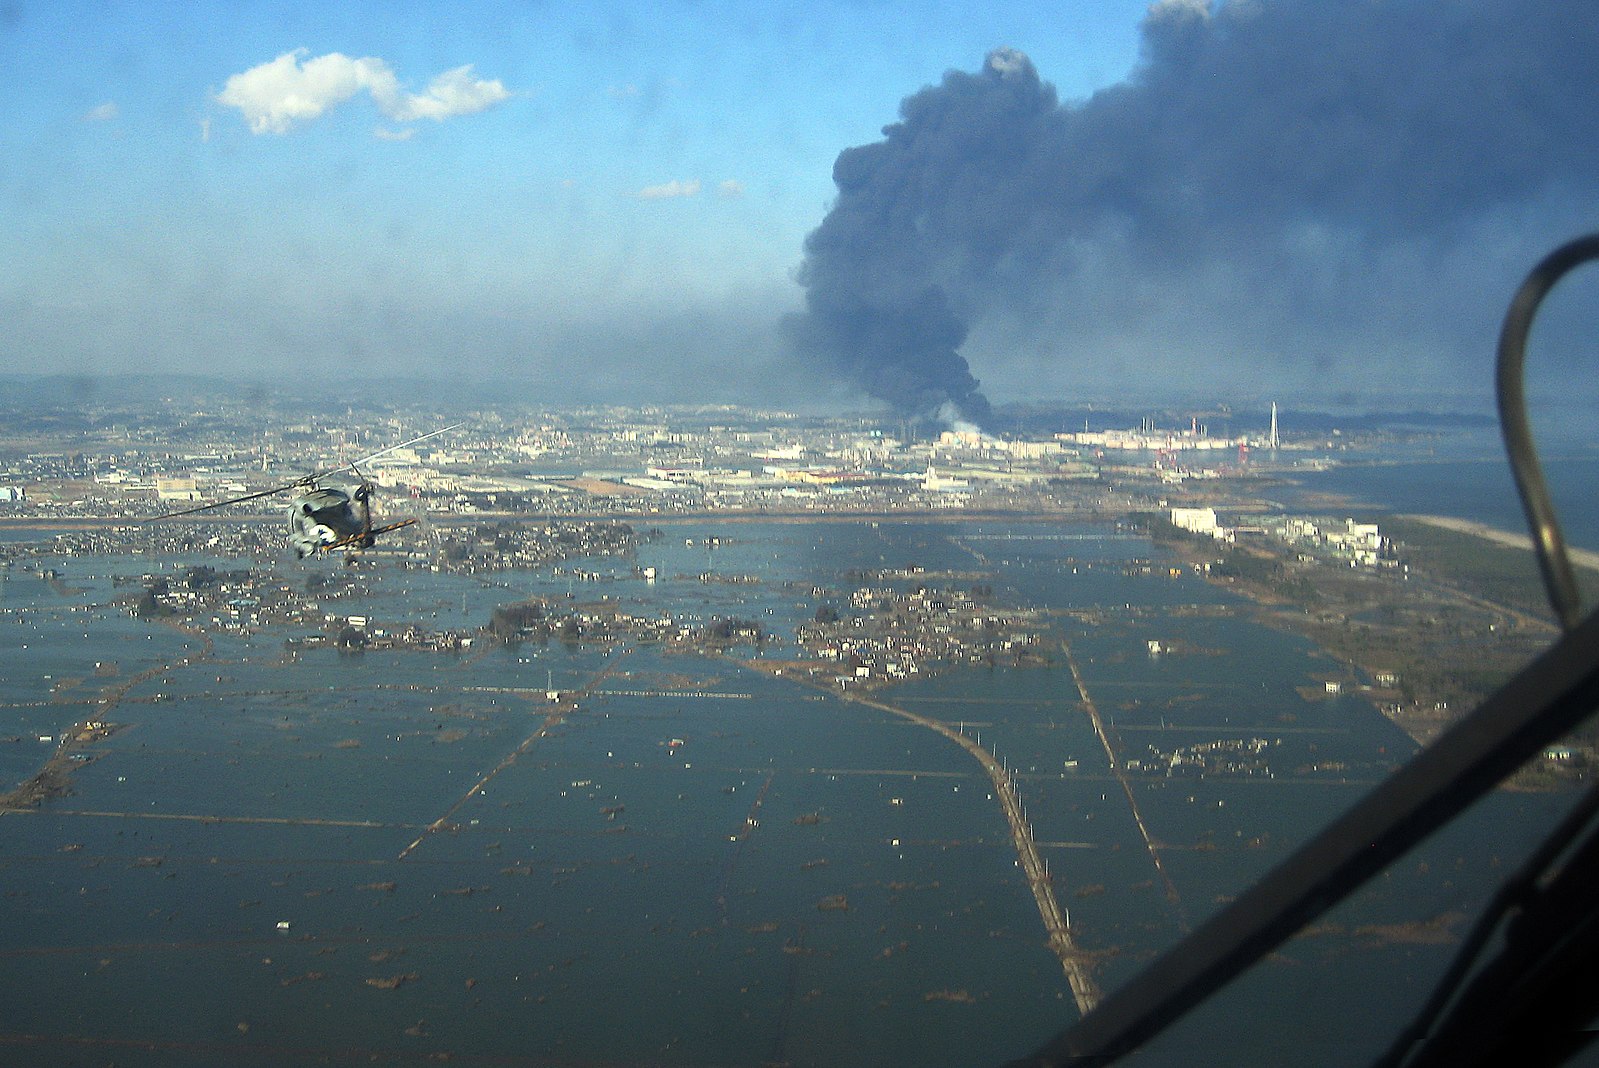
column 177, row 489
column 1196, row 520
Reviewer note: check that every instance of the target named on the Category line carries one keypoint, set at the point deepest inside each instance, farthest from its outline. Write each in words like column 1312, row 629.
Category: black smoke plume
column 1280, row 184
column 880, row 270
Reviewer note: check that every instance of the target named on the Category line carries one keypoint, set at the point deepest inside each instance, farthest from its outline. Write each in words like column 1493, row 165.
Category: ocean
column 294, row 855
column 1465, row 475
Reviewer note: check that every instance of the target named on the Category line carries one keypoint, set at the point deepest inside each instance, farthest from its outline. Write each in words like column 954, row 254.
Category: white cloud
column 274, row 96
column 455, row 92
column 730, row 189
column 671, row 189
column 383, row 133
column 291, row 89
column 104, row 113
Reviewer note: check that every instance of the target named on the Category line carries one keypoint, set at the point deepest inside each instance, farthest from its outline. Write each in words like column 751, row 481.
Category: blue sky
column 149, row 226
column 601, row 201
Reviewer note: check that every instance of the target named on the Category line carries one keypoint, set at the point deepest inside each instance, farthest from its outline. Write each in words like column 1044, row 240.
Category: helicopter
column 321, row 518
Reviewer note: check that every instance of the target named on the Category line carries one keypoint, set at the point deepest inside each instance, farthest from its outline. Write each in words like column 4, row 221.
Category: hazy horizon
column 918, row 204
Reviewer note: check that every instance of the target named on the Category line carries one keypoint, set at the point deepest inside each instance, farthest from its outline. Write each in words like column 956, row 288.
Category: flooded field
column 291, row 855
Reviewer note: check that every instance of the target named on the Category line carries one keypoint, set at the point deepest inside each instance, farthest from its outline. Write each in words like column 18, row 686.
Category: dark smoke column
column 899, row 348
column 886, row 272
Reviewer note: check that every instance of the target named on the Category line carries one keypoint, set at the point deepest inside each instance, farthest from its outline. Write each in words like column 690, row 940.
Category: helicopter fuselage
column 322, row 518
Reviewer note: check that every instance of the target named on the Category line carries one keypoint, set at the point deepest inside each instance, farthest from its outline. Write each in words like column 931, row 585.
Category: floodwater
column 394, row 856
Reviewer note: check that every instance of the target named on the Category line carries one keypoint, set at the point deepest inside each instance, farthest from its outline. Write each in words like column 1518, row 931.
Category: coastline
column 1580, row 557
column 1416, row 628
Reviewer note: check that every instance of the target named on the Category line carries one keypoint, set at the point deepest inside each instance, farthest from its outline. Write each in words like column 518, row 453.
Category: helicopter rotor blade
column 234, row 500
column 385, row 451
column 307, row 480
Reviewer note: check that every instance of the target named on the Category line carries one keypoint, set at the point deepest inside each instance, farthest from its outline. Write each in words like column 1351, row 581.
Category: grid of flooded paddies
column 645, row 850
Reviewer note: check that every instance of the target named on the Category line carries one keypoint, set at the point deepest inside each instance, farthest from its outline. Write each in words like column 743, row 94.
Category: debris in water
column 308, row 977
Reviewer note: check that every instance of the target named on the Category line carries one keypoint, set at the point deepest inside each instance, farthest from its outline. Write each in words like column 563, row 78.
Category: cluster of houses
column 891, row 634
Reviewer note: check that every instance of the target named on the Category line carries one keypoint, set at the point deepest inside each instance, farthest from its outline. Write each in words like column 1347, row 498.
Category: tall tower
column 1273, row 441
